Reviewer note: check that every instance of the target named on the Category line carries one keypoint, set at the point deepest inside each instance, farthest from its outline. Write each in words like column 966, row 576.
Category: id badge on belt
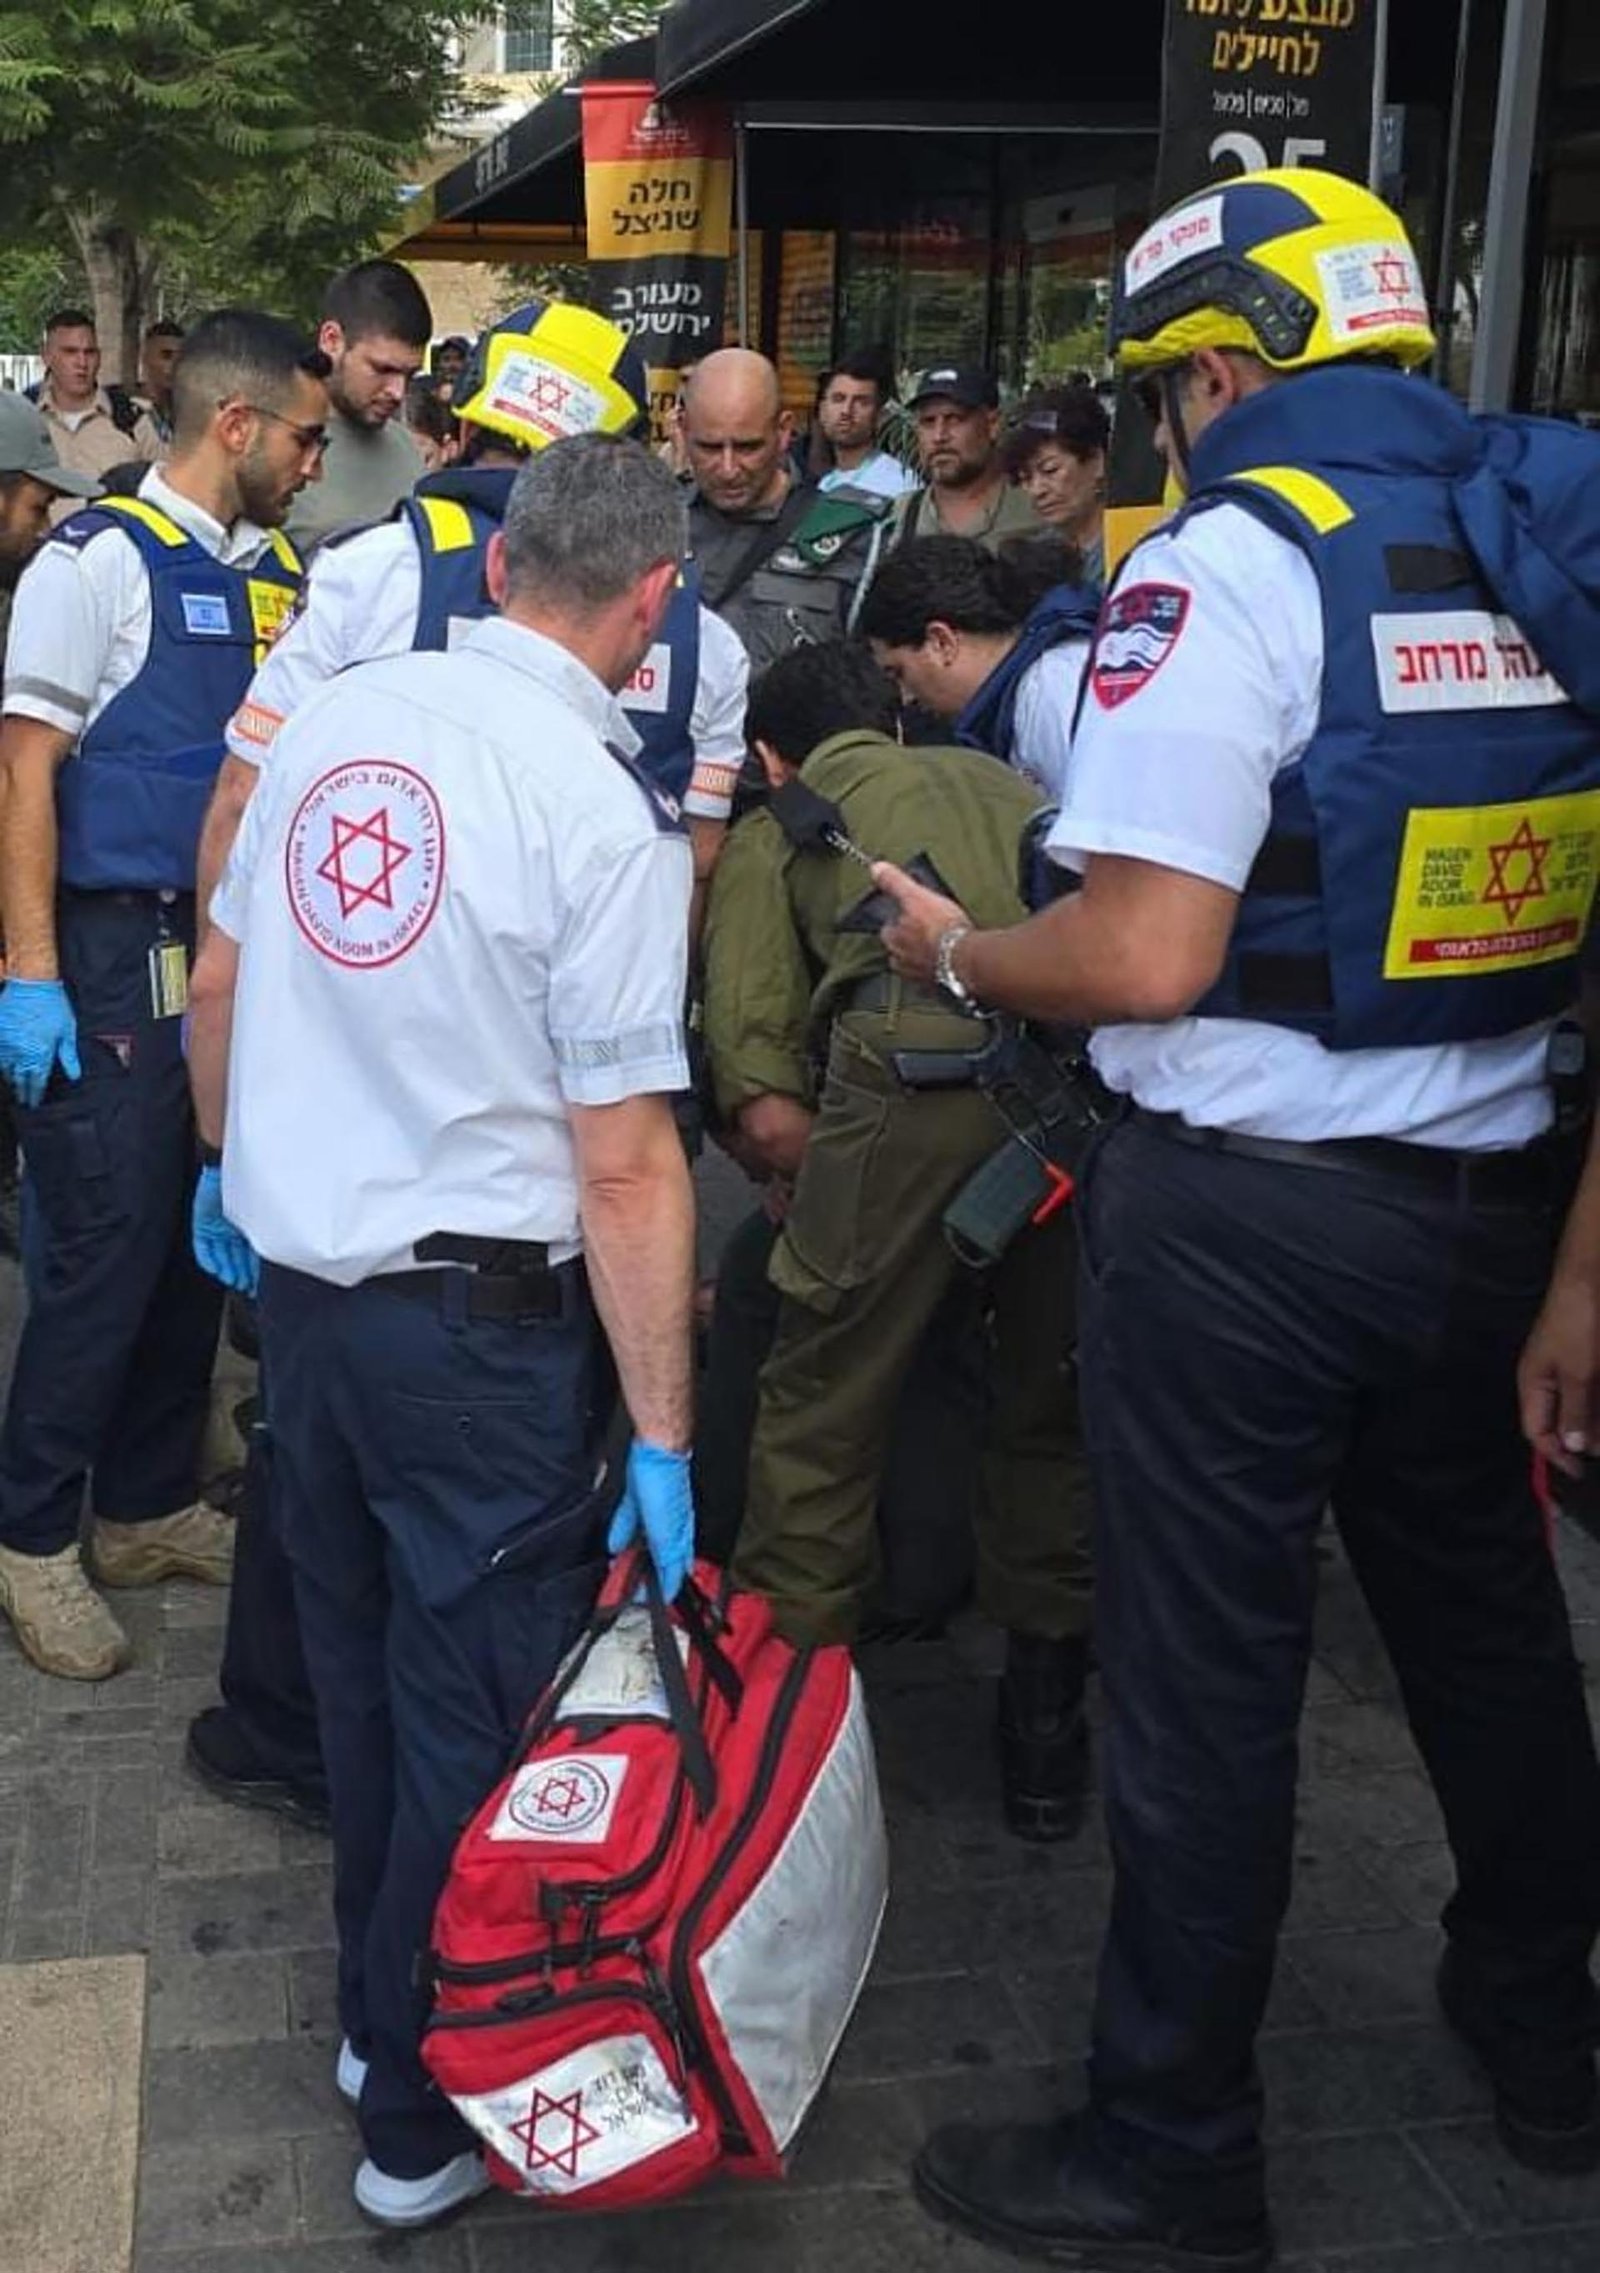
column 169, row 974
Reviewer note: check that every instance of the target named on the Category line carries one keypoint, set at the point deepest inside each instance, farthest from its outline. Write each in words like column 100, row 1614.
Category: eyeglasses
column 313, row 440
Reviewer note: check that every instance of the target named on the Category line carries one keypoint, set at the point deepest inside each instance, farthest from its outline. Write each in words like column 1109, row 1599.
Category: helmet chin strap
column 1172, row 417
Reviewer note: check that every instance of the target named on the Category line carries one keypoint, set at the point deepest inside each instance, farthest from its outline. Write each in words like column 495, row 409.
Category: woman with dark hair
column 1055, row 449
column 431, row 423
column 995, row 641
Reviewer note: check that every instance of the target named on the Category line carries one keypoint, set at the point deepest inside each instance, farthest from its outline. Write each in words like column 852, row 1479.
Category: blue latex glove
column 657, row 1500
column 219, row 1249
column 37, row 1032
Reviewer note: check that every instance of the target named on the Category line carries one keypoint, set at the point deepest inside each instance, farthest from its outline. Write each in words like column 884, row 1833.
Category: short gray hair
column 587, row 517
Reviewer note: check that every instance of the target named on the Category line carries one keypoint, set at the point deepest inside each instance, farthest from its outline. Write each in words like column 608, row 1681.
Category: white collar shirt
column 80, row 626
column 1179, row 772
column 361, row 602
column 458, row 916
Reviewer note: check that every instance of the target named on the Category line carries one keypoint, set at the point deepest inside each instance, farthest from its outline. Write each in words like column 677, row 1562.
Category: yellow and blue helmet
column 550, row 369
column 1295, row 266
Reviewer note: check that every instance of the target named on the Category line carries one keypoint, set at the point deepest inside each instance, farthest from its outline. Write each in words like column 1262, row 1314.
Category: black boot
column 1042, row 2190
column 1044, row 1736
column 1546, row 2090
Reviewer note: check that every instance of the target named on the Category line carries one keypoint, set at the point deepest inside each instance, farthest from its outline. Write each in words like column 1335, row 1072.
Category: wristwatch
column 944, row 970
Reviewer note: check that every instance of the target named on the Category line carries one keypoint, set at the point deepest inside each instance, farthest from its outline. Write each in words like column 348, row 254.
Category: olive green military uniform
column 862, row 1263
column 802, row 587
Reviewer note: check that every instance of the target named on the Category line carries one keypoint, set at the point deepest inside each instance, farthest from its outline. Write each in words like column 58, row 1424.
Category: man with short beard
column 967, row 491
column 375, row 329
column 134, row 635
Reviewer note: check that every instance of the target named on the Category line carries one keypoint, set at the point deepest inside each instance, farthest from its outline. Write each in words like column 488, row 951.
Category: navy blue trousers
column 114, row 1366
column 1260, row 1342
column 432, row 1487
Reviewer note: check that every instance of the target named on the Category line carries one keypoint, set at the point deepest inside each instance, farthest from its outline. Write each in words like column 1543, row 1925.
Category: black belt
column 1465, row 1176
column 505, row 1278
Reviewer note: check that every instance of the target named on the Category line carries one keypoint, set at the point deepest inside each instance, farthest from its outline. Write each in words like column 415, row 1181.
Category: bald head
column 737, row 431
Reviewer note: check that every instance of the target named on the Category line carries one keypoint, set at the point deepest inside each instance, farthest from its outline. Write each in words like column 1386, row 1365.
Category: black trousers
column 1259, row 1342
column 264, row 1680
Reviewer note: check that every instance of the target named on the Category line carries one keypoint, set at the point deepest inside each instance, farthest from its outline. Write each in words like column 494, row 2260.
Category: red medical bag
column 656, row 1927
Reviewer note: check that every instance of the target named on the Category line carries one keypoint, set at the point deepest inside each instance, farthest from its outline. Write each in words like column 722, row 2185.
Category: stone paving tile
column 914, row 2026
column 1371, row 2079
column 214, row 2193
column 281, row 2089
column 438, row 2252
column 1393, row 1808
column 314, row 1994
column 1497, row 2195
column 204, row 1840
column 284, row 1909
column 868, row 2233
column 1576, row 2251
column 217, row 2000
column 1419, row 1878
column 1333, row 2195
column 1354, row 1978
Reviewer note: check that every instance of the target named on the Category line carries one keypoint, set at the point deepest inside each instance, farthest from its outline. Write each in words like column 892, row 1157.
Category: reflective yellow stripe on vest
column 154, row 520
column 287, row 556
column 449, row 524
column 1308, row 494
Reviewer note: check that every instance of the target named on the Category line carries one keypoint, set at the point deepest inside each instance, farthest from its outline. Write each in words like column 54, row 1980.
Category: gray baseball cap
column 26, row 448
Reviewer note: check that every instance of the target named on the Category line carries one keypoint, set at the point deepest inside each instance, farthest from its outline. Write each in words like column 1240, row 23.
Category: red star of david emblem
column 358, row 879
column 559, row 1796
column 1508, row 889
column 554, row 2133
column 1392, row 276
column 550, row 393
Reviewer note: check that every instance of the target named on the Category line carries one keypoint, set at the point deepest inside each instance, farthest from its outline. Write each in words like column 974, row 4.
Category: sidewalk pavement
column 1383, row 2159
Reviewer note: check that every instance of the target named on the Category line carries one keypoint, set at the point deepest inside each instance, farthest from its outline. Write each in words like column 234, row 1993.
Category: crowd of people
column 428, row 813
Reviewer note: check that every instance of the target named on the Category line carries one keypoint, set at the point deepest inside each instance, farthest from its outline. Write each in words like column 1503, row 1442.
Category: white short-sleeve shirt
column 458, row 915
column 80, row 623
column 1047, row 703
column 361, row 602
column 1190, row 713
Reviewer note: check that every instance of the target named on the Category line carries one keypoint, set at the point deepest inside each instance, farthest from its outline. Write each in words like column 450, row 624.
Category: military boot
column 1044, row 1736
column 195, row 1542
column 59, row 1619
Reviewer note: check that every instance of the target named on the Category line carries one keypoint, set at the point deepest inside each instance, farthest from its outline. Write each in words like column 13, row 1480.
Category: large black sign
column 1246, row 84
column 1254, row 83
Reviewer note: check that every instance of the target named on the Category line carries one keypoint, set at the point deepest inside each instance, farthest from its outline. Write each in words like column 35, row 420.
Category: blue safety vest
column 989, row 721
column 131, row 797
column 1429, row 869
column 453, row 515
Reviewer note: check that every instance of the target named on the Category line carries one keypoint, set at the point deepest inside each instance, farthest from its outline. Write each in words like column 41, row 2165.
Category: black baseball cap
column 963, row 383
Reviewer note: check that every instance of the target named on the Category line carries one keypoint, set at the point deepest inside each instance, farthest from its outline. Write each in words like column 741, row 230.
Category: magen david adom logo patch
column 364, row 862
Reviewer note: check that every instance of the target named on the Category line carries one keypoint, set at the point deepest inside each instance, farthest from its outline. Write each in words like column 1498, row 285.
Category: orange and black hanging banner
column 1245, row 84
column 658, row 183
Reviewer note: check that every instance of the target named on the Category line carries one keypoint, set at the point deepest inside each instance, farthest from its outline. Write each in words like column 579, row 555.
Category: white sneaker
column 419, row 2201
column 350, row 2073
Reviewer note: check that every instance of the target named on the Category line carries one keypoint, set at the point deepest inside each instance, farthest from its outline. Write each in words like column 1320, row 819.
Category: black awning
column 702, row 36
column 892, row 50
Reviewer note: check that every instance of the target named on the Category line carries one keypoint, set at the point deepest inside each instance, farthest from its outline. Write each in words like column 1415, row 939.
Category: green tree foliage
column 590, row 26
column 251, row 144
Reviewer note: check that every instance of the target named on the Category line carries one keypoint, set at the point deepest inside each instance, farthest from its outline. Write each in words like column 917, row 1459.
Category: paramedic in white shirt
column 1333, row 797
column 437, row 1027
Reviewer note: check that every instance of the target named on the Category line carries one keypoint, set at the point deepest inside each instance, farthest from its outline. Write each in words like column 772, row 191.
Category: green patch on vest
column 831, row 524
